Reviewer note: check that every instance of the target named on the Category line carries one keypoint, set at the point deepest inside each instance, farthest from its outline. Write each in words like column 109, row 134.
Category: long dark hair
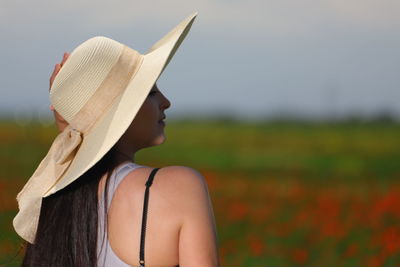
column 67, row 230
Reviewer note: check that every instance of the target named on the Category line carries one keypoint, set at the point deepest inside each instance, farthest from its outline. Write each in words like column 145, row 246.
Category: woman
column 106, row 215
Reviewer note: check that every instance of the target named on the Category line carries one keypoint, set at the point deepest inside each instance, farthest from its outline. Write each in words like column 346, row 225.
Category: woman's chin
column 159, row 140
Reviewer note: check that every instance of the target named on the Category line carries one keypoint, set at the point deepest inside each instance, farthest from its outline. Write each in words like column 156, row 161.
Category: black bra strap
column 144, row 216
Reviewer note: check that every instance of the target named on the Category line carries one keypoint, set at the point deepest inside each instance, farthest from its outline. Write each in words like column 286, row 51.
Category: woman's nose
column 165, row 102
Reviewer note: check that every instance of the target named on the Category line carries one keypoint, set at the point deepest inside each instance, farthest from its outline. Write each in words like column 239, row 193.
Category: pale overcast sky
column 248, row 58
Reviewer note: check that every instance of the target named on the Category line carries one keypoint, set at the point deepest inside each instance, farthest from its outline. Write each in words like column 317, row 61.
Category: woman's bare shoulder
column 174, row 178
column 180, row 191
column 178, row 172
column 180, row 188
column 182, row 174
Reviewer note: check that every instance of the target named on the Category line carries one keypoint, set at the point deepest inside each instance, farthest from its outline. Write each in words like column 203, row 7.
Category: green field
column 284, row 193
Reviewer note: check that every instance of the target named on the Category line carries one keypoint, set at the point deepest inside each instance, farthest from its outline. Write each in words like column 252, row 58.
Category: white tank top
column 105, row 255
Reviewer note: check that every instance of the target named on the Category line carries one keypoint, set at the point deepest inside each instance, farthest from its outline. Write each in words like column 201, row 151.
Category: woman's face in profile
column 147, row 129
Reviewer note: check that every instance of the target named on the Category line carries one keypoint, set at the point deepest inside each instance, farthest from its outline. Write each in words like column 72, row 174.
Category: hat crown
column 86, row 68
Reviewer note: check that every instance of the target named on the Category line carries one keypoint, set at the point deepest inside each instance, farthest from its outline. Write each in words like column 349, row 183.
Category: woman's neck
column 122, row 157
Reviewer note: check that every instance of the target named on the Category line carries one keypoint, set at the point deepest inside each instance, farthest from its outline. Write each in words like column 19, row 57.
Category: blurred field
column 284, row 194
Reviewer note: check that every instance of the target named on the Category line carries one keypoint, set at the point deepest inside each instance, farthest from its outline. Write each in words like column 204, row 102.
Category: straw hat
column 98, row 91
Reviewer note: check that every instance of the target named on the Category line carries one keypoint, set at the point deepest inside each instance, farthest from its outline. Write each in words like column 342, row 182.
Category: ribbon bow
column 50, row 170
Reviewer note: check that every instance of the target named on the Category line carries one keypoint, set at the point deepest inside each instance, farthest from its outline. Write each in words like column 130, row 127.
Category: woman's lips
column 162, row 120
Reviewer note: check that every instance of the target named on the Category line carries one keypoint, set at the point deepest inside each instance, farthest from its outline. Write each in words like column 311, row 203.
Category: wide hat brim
column 109, row 129
column 104, row 133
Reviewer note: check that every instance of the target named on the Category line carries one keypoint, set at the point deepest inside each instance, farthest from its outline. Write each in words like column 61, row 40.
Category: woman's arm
column 198, row 244
column 60, row 122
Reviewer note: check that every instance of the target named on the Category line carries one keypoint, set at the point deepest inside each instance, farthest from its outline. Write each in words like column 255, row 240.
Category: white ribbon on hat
column 65, row 146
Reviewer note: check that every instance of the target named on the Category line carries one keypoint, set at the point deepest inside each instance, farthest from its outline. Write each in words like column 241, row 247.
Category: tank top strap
column 117, row 177
column 149, row 182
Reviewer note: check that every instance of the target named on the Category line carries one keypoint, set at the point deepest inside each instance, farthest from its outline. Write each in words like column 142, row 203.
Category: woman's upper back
column 180, row 222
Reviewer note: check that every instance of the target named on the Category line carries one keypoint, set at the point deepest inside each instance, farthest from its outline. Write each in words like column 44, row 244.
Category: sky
column 246, row 59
